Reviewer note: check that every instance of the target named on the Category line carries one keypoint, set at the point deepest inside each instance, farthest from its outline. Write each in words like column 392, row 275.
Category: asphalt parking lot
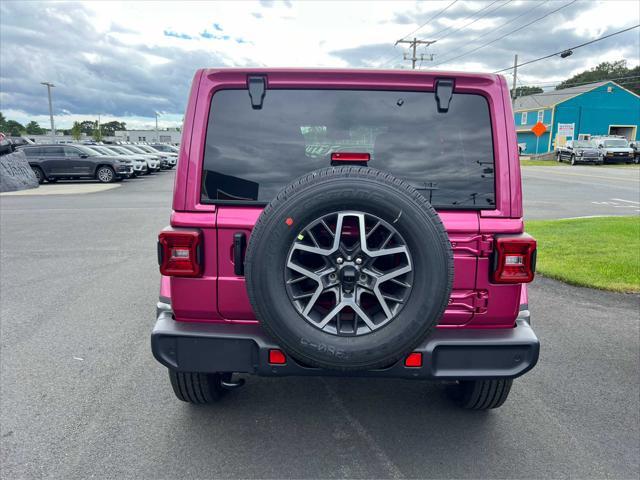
column 82, row 396
column 581, row 190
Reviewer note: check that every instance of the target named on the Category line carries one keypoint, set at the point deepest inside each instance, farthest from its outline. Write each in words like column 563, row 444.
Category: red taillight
column 514, row 259
column 350, row 157
column 413, row 360
column 276, row 357
column 180, row 252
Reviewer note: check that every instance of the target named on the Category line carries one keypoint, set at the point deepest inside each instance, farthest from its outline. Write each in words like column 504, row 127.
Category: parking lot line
column 635, row 180
column 627, row 201
column 64, row 189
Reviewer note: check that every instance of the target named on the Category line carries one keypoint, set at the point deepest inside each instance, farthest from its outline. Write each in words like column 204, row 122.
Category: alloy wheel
column 349, row 273
column 105, row 175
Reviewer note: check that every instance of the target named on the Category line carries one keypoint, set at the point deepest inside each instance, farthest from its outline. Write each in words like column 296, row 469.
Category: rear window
column 251, row 154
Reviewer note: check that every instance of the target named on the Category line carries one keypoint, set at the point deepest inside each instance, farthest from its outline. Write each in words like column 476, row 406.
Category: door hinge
column 478, row 245
column 485, row 245
column 474, row 301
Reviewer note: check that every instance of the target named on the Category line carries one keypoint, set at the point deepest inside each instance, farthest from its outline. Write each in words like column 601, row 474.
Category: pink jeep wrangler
column 345, row 222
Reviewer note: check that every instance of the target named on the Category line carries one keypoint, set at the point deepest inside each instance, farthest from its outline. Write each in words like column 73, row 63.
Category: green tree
column 109, row 128
column 526, row 90
column 616, row 71
column 32, row 128
column 76, row 131
column 14, row 128
column 87, row 127
column 3, row 123
column 97, row 132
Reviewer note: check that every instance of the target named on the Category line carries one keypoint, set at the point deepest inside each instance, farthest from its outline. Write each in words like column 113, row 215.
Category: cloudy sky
column 128, row 60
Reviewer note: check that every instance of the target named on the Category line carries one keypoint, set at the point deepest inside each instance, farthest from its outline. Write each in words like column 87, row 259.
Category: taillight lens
column 514, row 259
column 180, row 253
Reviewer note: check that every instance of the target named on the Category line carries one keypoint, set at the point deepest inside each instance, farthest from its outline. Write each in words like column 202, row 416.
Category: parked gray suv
column 55, row 162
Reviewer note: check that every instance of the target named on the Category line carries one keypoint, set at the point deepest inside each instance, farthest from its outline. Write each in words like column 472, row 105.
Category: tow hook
column 230, row 384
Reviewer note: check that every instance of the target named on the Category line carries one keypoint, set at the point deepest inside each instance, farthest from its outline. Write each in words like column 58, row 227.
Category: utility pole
column 157, row 138
column 414, row 45
column 515, row 75
column 53, row 128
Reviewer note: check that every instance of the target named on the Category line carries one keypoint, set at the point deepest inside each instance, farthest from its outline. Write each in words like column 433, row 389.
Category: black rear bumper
column 453, row 354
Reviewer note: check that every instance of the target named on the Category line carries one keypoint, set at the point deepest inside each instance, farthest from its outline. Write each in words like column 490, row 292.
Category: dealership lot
column 82, row 395
column 579, row 191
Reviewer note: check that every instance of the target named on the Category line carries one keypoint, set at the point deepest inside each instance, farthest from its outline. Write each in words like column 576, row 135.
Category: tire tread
column 482, row 394
column 195, row 387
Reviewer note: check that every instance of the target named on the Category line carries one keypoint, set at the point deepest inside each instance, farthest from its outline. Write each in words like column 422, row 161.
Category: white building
column 169, row 135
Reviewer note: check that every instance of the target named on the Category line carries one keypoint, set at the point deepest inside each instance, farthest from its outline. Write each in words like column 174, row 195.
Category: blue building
column 601, row 108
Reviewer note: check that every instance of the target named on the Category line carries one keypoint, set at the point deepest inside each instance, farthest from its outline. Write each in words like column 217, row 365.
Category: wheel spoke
column 293, row 281
column 362, row 315
column 399, row 282
column 373, row 229
column 313, row 300
column 307, row 273
column 387, row 240
column 329, row 316
column 312, row 237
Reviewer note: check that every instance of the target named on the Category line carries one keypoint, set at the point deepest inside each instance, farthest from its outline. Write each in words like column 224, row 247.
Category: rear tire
column 197, row 388
column 481, row 394
column 573, row 159
column 364, row 193
column 559, row 158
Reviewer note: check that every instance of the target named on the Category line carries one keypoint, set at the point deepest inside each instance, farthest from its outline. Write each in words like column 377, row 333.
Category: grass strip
column 601, row 253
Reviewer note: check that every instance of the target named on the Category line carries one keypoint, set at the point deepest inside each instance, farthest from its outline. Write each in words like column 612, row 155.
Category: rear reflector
column 180, row 252
column 350, row 157
column 276, row 357
column 413, row 360
column 514, row 259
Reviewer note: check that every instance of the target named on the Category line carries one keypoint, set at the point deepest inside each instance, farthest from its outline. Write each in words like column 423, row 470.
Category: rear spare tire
column 349, row 268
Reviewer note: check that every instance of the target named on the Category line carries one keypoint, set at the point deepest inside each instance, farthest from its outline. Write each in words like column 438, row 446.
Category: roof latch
column 444, row 94
column 257, row 85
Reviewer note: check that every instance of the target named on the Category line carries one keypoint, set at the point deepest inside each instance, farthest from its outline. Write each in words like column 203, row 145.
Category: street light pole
column 157, row 140
column 53, row 128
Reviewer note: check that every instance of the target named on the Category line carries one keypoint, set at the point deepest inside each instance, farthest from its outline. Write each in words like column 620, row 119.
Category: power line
column 537, row 5
column 473, row 21
column 507, row 34
column 465, row 18
column 577, row 92
column 577, row 84
column 431, row 18
column 516, row 97
column 570, row 48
